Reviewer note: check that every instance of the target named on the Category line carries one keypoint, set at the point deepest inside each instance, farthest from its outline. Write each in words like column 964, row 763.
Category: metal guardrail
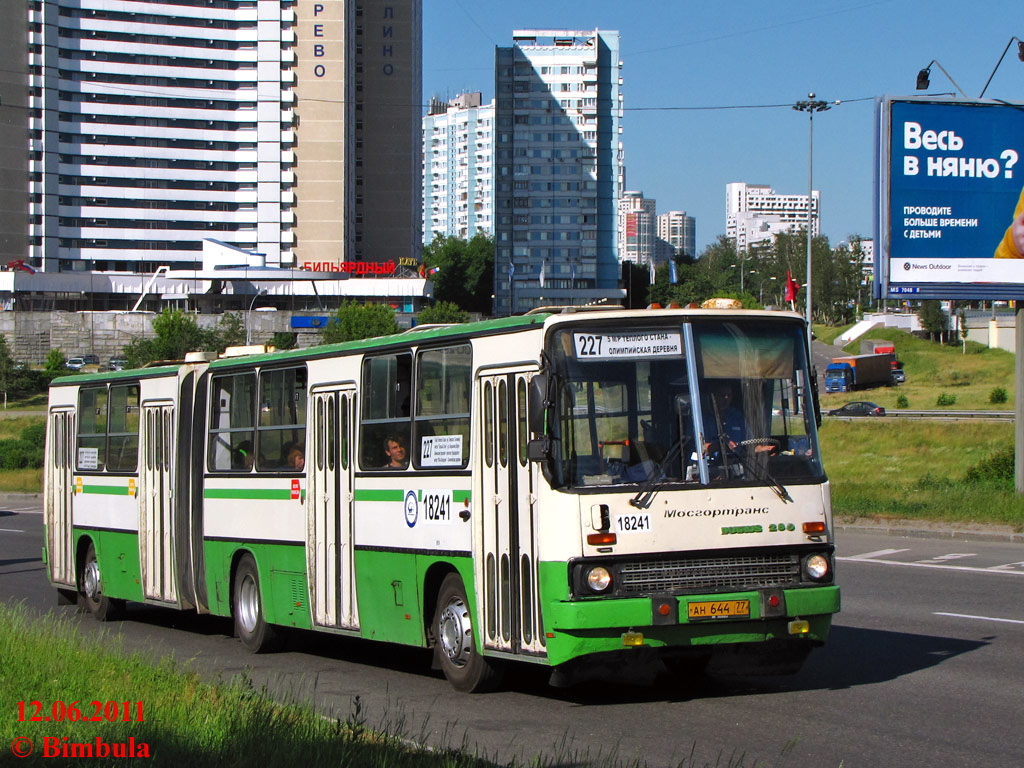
column 943, row 415
column 945, row 412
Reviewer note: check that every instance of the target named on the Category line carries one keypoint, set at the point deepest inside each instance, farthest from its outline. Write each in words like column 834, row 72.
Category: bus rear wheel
column 252, row 629
column 102, row 607
column 454, row 643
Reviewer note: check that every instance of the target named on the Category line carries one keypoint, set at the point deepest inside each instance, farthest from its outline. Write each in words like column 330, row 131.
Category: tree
column 55, row 361
column 284, row 340
column 176, row 334
column 932, row 318
column 230, row 331
column 356, row 321
column 442, row 312
column 465, row 270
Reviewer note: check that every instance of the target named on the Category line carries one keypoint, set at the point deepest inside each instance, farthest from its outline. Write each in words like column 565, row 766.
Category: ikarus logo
column 412, row 508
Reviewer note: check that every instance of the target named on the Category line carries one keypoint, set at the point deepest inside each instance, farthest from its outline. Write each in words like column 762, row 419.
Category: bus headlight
column 598, row 579
column 817, row 568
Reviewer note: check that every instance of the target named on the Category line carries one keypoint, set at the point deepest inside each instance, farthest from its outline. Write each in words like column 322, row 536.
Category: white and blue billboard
column 951, row 174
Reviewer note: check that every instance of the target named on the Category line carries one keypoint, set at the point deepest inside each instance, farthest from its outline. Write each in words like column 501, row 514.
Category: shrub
column 945, row 399
column 284, row 339
column 34, row 434
column 998, row 466
column 902, row 402
column 997, row 396
column 27, row 451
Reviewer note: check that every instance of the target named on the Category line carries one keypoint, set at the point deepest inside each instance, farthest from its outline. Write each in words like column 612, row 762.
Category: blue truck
column 845, row 374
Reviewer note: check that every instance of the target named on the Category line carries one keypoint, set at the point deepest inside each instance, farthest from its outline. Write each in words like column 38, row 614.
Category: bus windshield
column 732, row 408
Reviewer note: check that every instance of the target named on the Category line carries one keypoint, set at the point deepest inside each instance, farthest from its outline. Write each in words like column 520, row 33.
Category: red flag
column 791, row 287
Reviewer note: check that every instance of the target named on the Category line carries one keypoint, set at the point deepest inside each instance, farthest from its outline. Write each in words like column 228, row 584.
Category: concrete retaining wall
column 31, row 335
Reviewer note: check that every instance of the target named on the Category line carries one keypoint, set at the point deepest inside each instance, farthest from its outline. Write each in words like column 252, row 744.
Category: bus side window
column 443, row 379
column 92, row 429
column 232, row 435
column 281, row 429
column 387, row 382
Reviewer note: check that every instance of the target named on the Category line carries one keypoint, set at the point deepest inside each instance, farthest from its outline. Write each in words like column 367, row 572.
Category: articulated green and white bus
column 576, row 486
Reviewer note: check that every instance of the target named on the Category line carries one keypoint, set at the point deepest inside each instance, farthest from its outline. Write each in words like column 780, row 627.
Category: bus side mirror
column 814, row 396
column 538, row 403
column 539, row 448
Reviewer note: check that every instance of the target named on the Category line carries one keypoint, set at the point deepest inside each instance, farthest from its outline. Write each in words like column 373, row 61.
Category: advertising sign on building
column 950, row 175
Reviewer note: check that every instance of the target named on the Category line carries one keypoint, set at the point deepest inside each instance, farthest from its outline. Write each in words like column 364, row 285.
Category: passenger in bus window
column 244, row 456
column 394, row 449
column 296, row 459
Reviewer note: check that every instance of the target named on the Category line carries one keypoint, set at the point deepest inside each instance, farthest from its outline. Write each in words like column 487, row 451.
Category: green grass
column 12, row 426
column 934, row 369
column 828, row 333
column 887, row 468
column 188, row 721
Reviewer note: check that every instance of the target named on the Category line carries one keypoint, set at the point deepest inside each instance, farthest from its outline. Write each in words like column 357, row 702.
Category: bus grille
column 710, row 574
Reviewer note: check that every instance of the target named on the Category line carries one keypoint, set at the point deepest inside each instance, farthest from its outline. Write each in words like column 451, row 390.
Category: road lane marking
column 878, row 553
column 947, row 558
column 979, row 618
column 11, row 530
column 970, row 569
column 1007, row 566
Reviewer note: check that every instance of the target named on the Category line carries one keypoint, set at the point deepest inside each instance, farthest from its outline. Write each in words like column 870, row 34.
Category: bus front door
column 329, row 510
column 156, row 503
column 507, row 569
column 59, row 490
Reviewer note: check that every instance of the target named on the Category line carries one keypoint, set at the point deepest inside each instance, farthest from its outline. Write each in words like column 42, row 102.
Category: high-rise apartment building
column 558, row 169
column 458, row 161
column 679, row 232
column 13, row 137
column 637, row 228
column 286, row 128
column 755, row 213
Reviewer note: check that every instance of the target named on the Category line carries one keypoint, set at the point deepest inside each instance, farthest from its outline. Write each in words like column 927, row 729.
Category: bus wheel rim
column 91, row 577
column 248, row 603
column 456, row 632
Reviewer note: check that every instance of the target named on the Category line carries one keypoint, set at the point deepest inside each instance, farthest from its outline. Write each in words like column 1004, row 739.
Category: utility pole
column 810, row 106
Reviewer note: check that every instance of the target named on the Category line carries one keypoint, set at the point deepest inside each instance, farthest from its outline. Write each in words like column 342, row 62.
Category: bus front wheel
column 102, row 607
column 252, row 629
column 454, row 644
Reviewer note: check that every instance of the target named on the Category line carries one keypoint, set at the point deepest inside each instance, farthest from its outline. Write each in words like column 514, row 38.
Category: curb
column 909, row 529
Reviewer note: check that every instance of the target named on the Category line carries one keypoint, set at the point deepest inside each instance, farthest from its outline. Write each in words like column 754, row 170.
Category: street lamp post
column 248, row 315
column 810, row 106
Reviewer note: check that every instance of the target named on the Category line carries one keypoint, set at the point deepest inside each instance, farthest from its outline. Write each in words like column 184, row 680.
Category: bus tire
column 90, row 587
column 247, row 606
column 454, row 642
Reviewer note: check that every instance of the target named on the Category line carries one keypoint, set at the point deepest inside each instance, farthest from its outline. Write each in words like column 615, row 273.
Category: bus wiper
column 759, row 472
column 656, row 480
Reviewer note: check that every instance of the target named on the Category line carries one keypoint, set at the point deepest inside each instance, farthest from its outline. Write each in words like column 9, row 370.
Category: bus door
column 329, row 522
column 60, row 489
column 156, row 502
column 511, row 612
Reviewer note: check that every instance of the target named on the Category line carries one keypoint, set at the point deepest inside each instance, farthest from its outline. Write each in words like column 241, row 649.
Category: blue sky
column 690, row 55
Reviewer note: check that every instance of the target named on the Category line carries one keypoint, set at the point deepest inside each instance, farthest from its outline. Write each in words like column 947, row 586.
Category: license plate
column 718, row 609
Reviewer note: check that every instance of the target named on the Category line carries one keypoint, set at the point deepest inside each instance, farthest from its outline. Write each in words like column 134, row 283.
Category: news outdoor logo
column 955, row 175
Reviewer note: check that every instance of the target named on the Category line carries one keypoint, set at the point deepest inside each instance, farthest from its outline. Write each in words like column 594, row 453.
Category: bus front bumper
column 582, row 627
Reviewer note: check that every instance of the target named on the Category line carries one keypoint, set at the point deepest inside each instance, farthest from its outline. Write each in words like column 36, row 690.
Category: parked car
column 74, row 363
column 859, row 408
column 898, row 376
column 91, row 359
column 117, row 364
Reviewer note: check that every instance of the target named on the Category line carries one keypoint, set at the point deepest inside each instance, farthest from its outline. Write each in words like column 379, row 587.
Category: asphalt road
column 924, row 668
